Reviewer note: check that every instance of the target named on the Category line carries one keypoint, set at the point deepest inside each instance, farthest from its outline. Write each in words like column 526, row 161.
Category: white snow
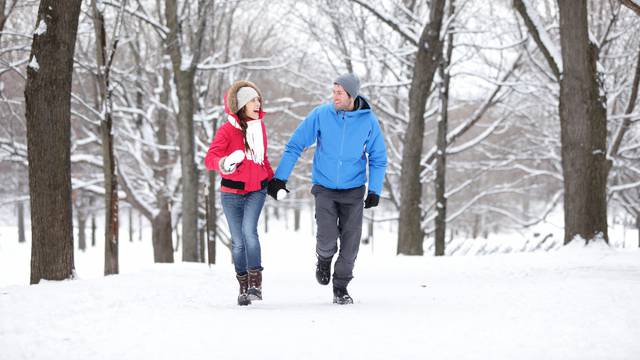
column 576, row 303
column 187, row 59
column 41, row 29
column 34, row 64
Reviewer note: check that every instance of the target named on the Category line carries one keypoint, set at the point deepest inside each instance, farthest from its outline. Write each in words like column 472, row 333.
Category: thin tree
column 184, row 71
column 48, row 114
column 443, row 125
column 104, row 60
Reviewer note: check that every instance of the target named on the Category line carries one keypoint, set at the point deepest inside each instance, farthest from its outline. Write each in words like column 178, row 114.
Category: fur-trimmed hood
column 231, row 101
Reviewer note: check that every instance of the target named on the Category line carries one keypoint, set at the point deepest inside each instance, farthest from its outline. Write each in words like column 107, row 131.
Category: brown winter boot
column 255, row 284
column 243, row 297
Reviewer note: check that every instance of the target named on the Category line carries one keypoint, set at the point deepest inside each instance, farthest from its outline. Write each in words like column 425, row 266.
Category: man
column 348, row 138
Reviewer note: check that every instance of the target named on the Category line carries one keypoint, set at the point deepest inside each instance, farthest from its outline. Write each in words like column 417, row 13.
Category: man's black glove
column 371, row 200
column 275, row 187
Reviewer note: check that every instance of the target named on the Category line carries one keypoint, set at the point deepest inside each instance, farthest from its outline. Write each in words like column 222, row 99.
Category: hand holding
column 277, row 189
column 372, row 200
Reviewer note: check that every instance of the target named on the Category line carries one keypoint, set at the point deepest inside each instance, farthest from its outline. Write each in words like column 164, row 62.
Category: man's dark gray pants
column 339, row 215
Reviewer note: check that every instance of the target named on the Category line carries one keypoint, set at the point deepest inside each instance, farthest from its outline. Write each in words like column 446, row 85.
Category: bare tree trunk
column 82, row 233
column 161, row 236
column 410, row 233
column 296, row 219
column 48, row 113
column 93, row 222
column 477, row 226
column 212, row 218
column 184, row 81
column 21, row 236
column 109, row 161
column 162, row 233
column 81, row 211
column 583, row 128
column 111, row 202
column 266, row 219
column 140, row 227
column 201, row 242
column 131, row 224
column 4, row 13
column 441, row 165
column 638, row 227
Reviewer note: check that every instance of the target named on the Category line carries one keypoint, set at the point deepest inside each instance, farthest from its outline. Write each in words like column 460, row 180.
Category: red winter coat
column 248, row 175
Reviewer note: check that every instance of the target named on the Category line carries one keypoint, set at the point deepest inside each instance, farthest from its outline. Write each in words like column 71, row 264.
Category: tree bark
column 184, row 81
column 108, row 156
column 93, row 223
column 21, row 236
column 410, row 233
column 82, row 233
column 638, row 227
column 161, row 235
column 583, row 128
column 48, row 114
column 131, row 230
column 296, row 219
column 81, row 216
column 441, row 165
column 212, row 217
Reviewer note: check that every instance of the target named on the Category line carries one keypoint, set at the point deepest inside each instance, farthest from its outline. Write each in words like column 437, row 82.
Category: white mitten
column 282, row 193
column 230, row 162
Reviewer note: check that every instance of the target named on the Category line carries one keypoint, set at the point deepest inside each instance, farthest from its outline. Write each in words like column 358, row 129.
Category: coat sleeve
column 303, row 137
column 377, row 154
column 217, row 151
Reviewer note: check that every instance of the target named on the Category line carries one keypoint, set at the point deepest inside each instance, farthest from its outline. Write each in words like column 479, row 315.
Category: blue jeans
column 242, row 212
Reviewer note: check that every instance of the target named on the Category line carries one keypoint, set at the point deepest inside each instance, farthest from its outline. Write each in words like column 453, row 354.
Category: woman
column 238, row 152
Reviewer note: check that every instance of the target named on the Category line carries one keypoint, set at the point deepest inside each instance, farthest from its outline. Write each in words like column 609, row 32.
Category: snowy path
column 571, row 304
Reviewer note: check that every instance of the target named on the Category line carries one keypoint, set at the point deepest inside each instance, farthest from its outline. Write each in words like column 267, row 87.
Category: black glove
column 371, row 200
column 274, row 186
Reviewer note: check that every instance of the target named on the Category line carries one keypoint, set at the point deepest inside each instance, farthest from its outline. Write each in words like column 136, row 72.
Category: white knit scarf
column 255, row 139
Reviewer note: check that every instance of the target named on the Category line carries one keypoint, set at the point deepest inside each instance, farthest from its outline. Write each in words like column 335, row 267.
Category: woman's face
column 252, row 108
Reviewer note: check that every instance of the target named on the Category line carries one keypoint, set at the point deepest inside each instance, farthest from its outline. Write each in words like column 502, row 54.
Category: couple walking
column 347, row 137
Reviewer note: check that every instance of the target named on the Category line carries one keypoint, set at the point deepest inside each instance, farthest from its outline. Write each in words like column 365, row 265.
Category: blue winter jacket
column 344, row 141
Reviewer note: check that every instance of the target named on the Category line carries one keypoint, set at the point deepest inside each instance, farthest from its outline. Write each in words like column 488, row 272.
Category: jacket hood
column 231, row 101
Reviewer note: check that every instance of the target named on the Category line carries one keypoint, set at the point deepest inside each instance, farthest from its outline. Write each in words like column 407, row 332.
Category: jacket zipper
column 344, row 123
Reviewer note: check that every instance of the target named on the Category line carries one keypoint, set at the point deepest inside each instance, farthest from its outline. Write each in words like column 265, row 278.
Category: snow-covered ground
column 568, row 303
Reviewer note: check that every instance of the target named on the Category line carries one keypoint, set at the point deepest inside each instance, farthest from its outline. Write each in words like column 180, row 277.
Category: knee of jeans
column 237, row 245
column 249, row 232
column 252, row 242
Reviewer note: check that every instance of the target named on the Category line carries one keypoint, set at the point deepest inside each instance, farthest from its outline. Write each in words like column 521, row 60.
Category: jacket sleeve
column 377, row 154
column 303, row 137
column 217, row 151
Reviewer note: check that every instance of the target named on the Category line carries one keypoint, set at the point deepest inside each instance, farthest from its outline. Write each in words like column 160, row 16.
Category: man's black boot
column 341, row 296
column 323, row 271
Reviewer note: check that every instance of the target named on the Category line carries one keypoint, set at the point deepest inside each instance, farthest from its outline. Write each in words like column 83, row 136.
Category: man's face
column 341, row 98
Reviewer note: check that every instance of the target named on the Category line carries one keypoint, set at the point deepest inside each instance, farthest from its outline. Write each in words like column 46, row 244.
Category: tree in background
column 48, row 113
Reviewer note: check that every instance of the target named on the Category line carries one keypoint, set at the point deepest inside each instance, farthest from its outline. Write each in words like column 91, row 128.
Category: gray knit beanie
column 350, row 83
column 244, row 95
